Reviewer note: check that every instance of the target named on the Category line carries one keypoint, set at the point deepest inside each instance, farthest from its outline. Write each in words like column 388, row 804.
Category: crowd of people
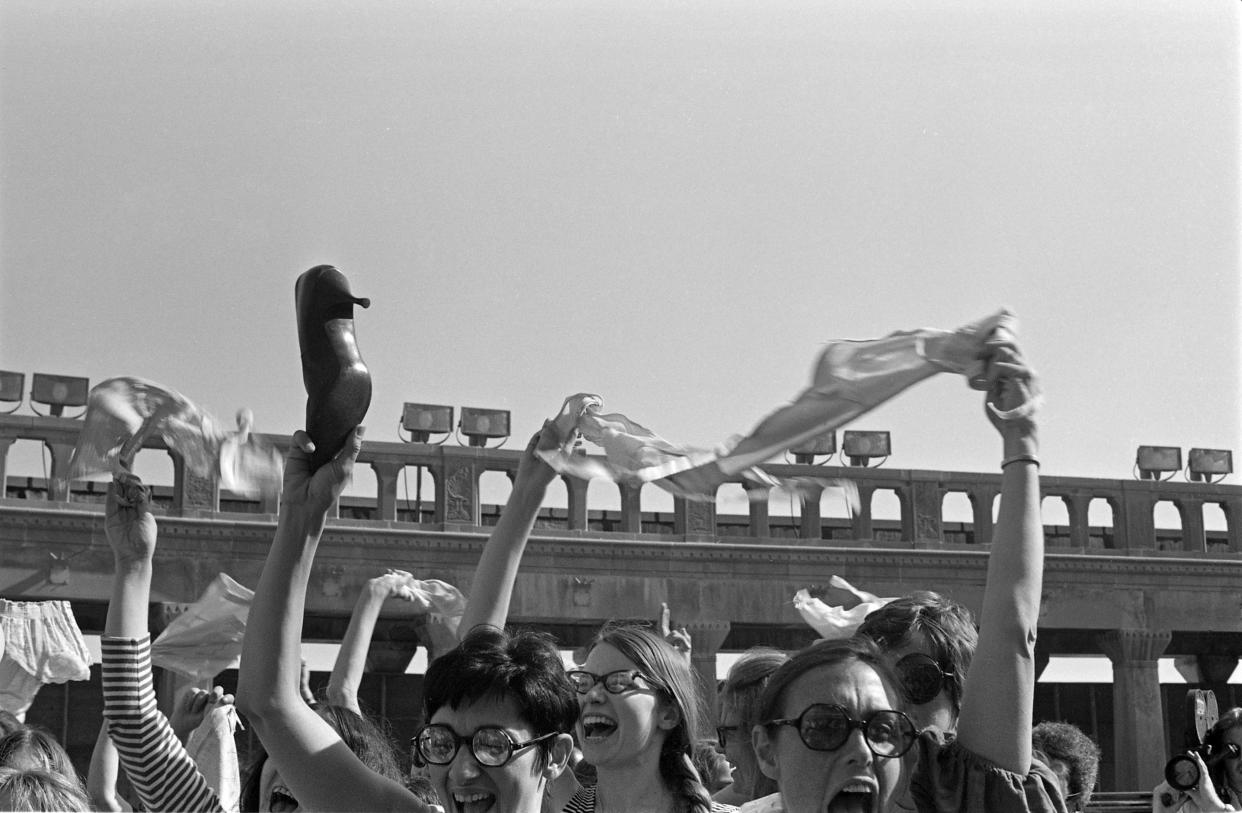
column 918, row 710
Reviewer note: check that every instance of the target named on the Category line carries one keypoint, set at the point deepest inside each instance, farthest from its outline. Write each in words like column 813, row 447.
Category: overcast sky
column 673, row 205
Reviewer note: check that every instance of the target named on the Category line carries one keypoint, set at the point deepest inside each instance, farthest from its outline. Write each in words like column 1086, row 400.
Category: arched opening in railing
column 416, row 494
column 359, row 498
column 732, row 510
column 838, row 505
column 1167, row 522
column 1101, row 524
column 1054, row 514
column 957, row 518
column 656, row 506
column 886, row 515
column 28, row 465
column 494, row 490
column 603, row 504
column 1216, row 527
column 554, row 510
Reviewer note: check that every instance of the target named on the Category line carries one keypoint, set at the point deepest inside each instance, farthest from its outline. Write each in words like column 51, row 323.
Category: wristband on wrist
column 1020, row 458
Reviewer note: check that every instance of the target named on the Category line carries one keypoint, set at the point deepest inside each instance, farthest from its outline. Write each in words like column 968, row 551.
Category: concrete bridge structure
column 1132, row 591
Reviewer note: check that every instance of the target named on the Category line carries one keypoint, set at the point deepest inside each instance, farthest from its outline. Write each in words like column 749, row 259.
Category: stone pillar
column 1078, row 507
column 631, row 509
column 576, row 493
column 1132, row 518
column 757, row 496
column 810, row 523
column 920, row 515
column 1138, row 713
column 1191, row 511
column 694, row 519
column 1215, row 670
column 58, row 485
column 981, row 500
column 192, row 492
column 386, row 474
column 457, row 503
column 1233, row 522
column 5, row 445
column 705, row 640
column 862, row 520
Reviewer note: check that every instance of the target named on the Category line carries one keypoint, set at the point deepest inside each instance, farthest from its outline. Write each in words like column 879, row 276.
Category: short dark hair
column 826, row 653
column 1067, row 742
column 491, row 663
column 948, row 627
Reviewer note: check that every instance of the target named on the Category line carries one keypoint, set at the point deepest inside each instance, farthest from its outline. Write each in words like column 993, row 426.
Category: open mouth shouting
column 471, row 801
column 857, row 796
column 281, row 800
column 597, row 727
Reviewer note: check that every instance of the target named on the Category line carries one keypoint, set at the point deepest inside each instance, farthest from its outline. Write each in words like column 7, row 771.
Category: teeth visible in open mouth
column 467, row 798
column 597, row 725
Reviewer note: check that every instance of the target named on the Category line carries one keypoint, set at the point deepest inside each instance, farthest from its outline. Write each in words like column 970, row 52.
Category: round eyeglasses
column 921, row 677
column 617, row 682
column 437, row 744
column 826, row 727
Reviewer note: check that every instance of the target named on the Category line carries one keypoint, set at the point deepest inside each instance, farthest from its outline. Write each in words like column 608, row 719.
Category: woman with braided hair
column 640, row 713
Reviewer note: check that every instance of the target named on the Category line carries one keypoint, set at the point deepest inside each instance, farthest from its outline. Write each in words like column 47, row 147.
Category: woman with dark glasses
column 832, row 734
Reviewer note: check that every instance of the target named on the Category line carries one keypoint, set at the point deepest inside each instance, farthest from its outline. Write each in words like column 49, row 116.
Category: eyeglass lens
column 614, row 682
column 491, row 746
column 825, row 727
column 921, row 677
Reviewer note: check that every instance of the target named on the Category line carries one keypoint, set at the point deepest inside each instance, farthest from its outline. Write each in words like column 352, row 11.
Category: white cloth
column 205, row 639
column 835, row 622
column 214, row 751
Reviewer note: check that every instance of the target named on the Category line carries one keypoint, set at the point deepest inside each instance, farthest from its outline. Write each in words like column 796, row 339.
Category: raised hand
column 193, row 708
column 314, row 490
column 128, row 522
column 397, row 584
column 678, row 638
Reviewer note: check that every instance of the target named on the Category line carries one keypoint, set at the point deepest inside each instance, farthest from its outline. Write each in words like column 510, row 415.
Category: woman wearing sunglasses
column 831, row 732
column 972, row 695
column 639, row 711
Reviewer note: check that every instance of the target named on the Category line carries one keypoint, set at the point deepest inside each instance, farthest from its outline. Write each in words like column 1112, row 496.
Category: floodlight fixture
column 862, row 447
column 59, row 391
column 424, row 420
column 1153, row 461
column 1206, row 464
column 822, row 445
column 481, row 425
column 12, row 389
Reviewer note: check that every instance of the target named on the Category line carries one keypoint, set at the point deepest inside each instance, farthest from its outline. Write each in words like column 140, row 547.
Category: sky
column 673, row 205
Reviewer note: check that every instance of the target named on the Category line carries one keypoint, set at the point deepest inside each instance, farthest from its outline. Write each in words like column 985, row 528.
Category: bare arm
column 997, row 702
column 351, row 659
column 492, row 589
column 318, row 767
column 102, row 775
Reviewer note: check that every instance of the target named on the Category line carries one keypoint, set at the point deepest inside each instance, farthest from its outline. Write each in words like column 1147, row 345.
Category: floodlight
column 1207, row 463
column 822, row 445
column 861, row 447
column 481, row 424
column 12, row 389
column 59, row 391
column 424, row 420
column 1153, row 461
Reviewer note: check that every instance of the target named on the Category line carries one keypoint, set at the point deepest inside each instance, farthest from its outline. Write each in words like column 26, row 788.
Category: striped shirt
column 156, row 762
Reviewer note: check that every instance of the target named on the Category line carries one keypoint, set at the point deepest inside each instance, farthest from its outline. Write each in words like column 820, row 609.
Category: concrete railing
column 455, row 474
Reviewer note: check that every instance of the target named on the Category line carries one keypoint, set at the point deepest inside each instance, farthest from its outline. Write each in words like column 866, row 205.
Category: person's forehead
column 1234, row 735
column 470, row 716
column 606, row 658
column 854, row 685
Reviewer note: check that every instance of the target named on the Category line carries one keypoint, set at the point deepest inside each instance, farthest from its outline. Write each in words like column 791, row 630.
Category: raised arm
column 998, row 696
column 351, row 659
column 162, row 773
column 313, row 761
column 102, row 775
column 492, row 589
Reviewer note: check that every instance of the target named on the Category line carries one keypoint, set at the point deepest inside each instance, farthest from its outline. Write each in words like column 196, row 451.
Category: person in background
column 1073, row 757
column 739, row 712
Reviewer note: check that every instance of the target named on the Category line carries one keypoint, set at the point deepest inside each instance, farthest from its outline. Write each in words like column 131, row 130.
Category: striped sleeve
column 157, row 764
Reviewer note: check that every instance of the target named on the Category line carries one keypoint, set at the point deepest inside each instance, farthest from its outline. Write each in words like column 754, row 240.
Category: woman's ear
column 558, row 756
column 668, row 716
column 765, row 752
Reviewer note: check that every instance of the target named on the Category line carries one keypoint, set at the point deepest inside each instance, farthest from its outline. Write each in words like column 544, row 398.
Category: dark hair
column 423, row 789
column 35, row 789
column 1070, row 745
column 360, row 734
column 742, row 689
column 1216, row 738
column 826, row 653
column 523, row 666
column 948, row 627
column 32, row 747
column 678, row 684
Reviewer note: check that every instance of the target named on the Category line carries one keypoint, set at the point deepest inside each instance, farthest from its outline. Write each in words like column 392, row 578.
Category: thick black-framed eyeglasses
column 827, row 726
column 618, row 682
column 722, row 733
column 437, row 744
column 921, row 676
